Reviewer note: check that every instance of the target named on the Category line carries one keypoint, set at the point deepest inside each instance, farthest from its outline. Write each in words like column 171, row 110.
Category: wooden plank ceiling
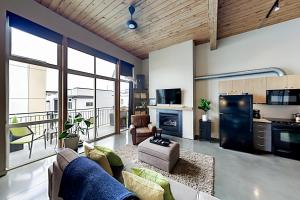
column 166, row 22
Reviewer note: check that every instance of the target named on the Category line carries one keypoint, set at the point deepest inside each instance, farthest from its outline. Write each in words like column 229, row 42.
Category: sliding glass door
column 33, row 98
column 105, row 107
column 124, row 105
column 52, row 79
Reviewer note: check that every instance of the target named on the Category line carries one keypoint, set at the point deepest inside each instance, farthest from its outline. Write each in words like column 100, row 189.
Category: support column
column 63, row 86
column 117, row 99
column 3, row 91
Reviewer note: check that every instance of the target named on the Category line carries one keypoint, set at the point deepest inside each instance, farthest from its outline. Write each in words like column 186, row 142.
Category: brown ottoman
column 161, row 157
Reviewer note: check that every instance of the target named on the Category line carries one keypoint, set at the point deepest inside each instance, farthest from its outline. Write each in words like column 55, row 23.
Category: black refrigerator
column 236, row 122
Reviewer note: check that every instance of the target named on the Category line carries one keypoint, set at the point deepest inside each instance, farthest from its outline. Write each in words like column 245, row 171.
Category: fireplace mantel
column 171, row 107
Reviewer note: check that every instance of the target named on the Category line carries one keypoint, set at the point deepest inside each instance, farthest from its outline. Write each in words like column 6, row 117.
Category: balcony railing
column 40, row 121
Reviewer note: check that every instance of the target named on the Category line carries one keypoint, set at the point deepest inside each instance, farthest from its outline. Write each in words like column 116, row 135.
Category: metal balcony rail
column 39, row 121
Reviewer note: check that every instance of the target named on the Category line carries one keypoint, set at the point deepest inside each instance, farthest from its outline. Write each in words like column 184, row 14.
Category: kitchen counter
column 262, row 120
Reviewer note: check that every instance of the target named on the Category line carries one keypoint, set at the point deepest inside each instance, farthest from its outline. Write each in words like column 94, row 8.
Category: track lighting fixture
column 275, row 7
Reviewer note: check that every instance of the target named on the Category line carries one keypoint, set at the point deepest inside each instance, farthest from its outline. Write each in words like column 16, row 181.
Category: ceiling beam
column 213, row 23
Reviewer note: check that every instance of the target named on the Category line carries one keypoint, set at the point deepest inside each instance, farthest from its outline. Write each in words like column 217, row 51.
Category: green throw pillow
column 156, row 178
column 113, row 159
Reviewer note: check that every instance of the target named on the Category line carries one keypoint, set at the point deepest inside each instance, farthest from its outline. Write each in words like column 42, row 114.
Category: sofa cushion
column 65, row 156
column 101, row 159
column 113, row 158
column 143, row 188
column 156, row 178
column 140, row 120
column 141, row 132
column 87, row 148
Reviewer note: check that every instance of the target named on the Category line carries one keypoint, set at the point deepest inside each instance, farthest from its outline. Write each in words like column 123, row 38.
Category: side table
column 205, row 130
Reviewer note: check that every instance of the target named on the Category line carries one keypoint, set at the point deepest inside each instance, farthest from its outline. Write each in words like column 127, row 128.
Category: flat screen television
column 168, row 96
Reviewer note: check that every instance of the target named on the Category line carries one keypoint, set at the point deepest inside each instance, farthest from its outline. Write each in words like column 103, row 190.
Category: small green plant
column 204, row 105
column 76, row 125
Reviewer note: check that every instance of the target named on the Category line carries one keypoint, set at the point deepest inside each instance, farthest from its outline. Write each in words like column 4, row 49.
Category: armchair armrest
column 132, row 129
column 152, row 128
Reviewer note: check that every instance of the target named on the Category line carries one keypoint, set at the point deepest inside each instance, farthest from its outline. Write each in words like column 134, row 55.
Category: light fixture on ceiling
column 275, row 7
column 131, row 24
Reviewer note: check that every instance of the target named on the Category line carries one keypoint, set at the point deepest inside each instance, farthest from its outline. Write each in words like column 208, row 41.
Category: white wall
column 173, row 67
column 273, row 46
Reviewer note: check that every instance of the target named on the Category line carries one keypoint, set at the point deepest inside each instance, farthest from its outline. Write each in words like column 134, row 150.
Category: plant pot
column 204, row 118
column 71, row 142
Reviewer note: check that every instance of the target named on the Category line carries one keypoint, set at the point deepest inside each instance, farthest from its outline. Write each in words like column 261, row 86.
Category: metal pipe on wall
column 274, row 70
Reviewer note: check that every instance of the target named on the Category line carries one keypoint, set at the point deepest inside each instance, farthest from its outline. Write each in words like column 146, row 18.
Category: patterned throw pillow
column 143, row 188
column 156, row 178
column 101, row 159
column 113, row 159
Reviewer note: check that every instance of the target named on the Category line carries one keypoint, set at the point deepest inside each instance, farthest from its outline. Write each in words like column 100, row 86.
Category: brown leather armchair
column 141, row 128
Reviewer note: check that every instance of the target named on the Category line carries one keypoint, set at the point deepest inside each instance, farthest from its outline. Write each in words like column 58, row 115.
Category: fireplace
column 170, row 121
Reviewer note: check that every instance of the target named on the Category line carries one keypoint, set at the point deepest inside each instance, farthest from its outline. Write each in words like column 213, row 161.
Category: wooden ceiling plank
column 160, row 16
column 109, row 20
column 175, row 17
column 166, row 22
column 102, row 13
column 88, row 14
column 213, row 23
column 122, row 16
column 53, row 4
column 146, row 9
column 109, row 14
column 164, row 35
column 84, row 10
column 62, row 6
column 45, row 3
column 72, row 7
column 170, row 30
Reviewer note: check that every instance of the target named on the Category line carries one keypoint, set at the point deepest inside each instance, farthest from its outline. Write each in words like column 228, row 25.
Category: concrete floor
column 238, row 176
column 21, row 157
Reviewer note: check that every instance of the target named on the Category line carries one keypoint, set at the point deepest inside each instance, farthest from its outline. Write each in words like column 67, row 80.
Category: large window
column 33, row 97
column 80, row 94
column 124, row 105
column 89, row 79
column 37, row 75
column 29, row 46
column 105, row 68
column 105, row 107
column 80, row 61
column 33, row 100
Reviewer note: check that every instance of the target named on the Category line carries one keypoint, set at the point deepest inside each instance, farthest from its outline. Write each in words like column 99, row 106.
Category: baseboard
column 3, row 173
column 215, row 140
column 212, row 140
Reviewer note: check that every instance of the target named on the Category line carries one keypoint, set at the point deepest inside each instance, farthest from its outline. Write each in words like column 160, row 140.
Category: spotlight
column 276, row 7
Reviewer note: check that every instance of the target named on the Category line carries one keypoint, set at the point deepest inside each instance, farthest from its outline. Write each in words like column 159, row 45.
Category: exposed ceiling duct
column 271, row 70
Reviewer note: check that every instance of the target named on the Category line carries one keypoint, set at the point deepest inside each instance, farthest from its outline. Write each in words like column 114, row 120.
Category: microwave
column 283, row 97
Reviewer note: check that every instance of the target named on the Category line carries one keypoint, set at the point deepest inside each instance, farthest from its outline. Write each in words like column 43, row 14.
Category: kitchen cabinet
column 283, row 82
column 258, row 87
column 225, row 87
column 293, row 81
column 262, row 136
column 277, row 83
column 241, row 86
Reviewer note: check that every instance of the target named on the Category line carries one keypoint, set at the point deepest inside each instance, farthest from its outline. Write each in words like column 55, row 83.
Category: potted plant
column 204, row 105
column 72, row 128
